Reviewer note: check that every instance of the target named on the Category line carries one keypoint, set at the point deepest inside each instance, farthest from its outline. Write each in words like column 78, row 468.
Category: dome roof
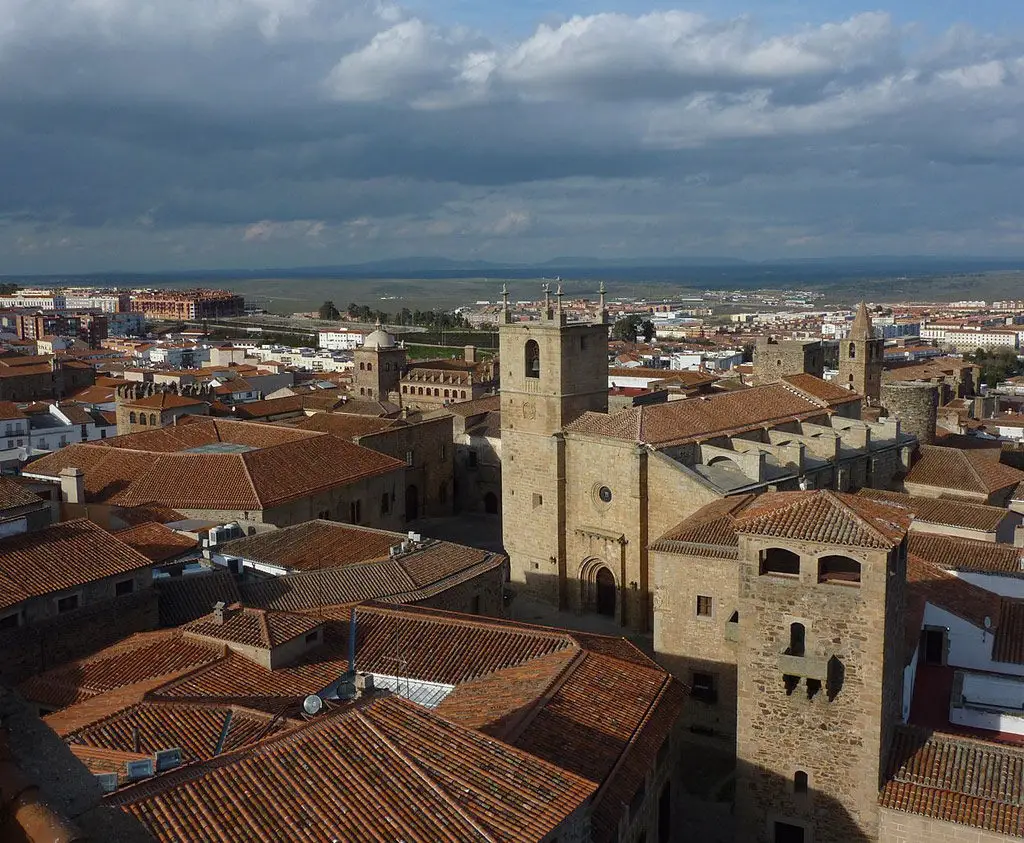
column 379, row 338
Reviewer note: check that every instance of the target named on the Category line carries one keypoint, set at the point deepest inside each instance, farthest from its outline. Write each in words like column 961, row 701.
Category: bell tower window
column 532, row 356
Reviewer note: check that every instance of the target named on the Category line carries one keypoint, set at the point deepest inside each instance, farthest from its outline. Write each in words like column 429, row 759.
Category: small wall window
column 777, row 560
column 702, row 687
column 362, row 367
column 538, row 500
column 131, row 417
column 704, row 606
column 142, row 418
column 124, row 587
column 853, row 351
column 800, row 782
column 532, row 359
column 797, row 639
column 12, row 621
column 355, row 511
column 67, row 604
column 408, row 457
column 369, row 367
column 471, row 458
column 385, row 504
column 839, row 569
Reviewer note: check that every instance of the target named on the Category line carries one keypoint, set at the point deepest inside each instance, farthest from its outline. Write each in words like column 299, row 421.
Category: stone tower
column 379, row 364
column 860, row 359
column 820, row 664
column 775, row 359
column 551, row 373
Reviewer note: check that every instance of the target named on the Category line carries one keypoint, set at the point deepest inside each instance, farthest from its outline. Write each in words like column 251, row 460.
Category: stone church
column 585, row 493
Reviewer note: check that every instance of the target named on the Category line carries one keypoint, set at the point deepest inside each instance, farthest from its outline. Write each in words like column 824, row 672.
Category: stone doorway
column 491, row 503
column 605, row 582
column 412, row 503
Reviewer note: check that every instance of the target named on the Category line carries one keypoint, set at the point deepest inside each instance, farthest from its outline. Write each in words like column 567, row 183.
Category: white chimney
column 72, row 485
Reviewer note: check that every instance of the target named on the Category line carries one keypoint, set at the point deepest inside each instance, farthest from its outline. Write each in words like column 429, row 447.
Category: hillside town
column 732, row 566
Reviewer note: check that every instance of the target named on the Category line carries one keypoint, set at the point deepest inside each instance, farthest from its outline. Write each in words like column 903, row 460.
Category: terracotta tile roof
column 157, row 466
column 141, row 657
column 36, row 564
column 1009, row 644
column 443, row 783
column 194, row 728
column 957, row 554
column 821, row 390
column 956, row 780
column 347, row 425
column 693, row 419
column 165, row 401
column 14, row 496
column 939, row 367
column 145, row 513
column 97, row 760
column 947, row 513
column 9, row 410
column 710, row 531
column 156, row 542
column 947, row 591
column 184, row 599
column 267, row 407
column 253, row 627
column 825, row 516
column 971, row 471
column 476, row 406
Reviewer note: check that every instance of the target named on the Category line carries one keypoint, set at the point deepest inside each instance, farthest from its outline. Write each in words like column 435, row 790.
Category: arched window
column 800, row 782
column 463, row 394
column 437, row 392
column 532, row 355
column 447, row 394
column 777, row 560
column 369, row 367
column 420, row 391
column 797, row 639
column 853, row 351
column 839, row 569
column 362, row 367
column 131, row 417
column 152, row 419
column 142, row 418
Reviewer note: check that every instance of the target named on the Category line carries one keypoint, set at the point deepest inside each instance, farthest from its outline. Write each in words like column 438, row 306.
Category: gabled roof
column 347, row 425
column 973, row 472
column 820, row 390
column 941, row 511
column 951, row 593
column 827, row 517
column 425, row 778
column 1009, row 643
column 61, row 557
column 165, row 401
column 13, row 495
column 243, row 465
column 253, row 627
column 957, row 780
column 710, row 531
column 694, row 419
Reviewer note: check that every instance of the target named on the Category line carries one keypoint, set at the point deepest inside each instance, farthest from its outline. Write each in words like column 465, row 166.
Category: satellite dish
column 988, row 622
column 312, row 704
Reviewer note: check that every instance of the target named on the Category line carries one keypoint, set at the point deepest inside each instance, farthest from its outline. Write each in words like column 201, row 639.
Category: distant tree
column 329, row 311
column 352, row 309
column 627, row 328
column 748, row 353
column 647, row 329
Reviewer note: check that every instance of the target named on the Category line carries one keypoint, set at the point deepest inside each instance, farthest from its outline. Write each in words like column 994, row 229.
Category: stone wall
column 774, row 359
column 685, row 642
column 898, row 827
column 915, row 404
column 432, row 471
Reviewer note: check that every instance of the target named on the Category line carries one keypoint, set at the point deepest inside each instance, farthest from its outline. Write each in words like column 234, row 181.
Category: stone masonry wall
column 897, row 827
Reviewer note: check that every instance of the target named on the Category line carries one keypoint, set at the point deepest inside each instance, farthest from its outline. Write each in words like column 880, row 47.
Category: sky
column 156, row 135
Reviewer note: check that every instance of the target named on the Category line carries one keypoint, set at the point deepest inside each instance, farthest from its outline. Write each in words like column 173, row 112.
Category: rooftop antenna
column 603, row 309
column 504, row 299
column 547, row 299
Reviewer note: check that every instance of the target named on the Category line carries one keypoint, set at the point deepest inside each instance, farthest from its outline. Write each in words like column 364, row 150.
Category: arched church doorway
column 412, row 503
column 605, row 582
column 491, row 503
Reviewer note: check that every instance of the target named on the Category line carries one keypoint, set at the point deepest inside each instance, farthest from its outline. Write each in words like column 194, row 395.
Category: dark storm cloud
column 292, row 131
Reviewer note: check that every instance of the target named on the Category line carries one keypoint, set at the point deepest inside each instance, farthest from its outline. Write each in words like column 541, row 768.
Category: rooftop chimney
column 218, row 612
column 72, row 485
column 470, row 353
